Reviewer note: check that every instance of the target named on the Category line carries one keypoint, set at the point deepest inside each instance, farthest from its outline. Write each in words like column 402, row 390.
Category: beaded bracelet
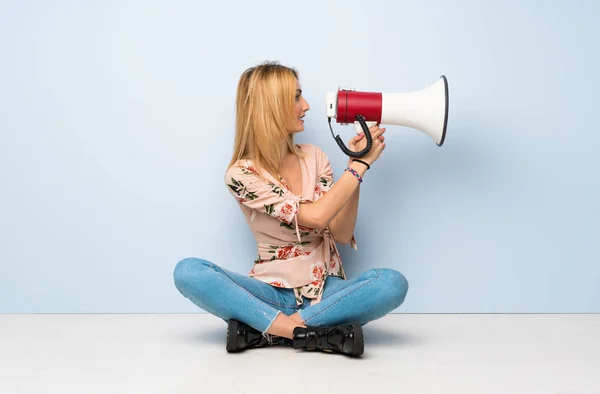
column 353, row 172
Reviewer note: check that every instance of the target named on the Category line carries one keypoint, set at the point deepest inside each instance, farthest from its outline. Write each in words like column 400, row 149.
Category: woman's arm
column 321, row 213
column 338, row 208
column 342, row 226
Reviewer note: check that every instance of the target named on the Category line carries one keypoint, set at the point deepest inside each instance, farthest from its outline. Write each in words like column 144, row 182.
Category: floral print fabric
column 289, row 255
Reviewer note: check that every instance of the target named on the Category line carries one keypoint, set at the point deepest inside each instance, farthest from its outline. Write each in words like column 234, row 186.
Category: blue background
column 116, row 122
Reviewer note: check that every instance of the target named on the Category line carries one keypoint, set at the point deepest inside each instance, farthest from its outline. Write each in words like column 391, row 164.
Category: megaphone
column 425, row 110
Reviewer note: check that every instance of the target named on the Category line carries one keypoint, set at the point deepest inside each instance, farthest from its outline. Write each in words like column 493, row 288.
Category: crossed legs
column 273, row 310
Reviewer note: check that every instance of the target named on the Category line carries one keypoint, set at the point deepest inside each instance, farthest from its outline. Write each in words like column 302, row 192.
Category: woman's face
column 300, row 108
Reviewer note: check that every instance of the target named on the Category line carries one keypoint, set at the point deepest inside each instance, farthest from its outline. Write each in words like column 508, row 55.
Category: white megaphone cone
column 425, row 110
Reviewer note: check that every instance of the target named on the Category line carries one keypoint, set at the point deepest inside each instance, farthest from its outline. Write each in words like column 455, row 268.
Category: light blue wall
column 116, row 123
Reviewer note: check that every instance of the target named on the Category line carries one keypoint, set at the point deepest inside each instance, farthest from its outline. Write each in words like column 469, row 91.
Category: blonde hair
column 265, row 102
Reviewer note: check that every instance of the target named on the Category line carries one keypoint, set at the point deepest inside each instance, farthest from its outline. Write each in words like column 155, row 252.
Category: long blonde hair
column 264, row 106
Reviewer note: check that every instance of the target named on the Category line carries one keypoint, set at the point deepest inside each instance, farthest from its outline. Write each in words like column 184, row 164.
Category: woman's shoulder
column 240, row 167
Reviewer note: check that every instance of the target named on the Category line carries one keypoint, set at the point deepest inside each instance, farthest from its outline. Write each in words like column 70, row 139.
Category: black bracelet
column 360, row 161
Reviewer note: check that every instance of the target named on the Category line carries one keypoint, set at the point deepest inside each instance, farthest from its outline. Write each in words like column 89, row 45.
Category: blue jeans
column 229, row 295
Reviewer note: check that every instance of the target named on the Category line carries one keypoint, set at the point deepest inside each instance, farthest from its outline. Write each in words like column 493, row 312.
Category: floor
column 404, row 353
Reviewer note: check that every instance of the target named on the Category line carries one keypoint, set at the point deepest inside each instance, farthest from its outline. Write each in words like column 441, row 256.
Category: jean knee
column 370, row 274
column 396, row 285
column 187, row 272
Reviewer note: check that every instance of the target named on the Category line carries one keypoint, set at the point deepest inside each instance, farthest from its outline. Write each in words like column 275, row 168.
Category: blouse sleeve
column 324, row 172
column 325, row 181
column 245, row 185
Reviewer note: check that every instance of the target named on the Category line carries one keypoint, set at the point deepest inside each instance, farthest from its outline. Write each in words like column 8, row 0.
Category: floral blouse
column 289, row 255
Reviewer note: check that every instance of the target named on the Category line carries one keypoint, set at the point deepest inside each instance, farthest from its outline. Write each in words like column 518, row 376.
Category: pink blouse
column 289, row 255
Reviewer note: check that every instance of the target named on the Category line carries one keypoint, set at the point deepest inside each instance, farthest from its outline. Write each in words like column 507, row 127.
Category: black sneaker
column 347, row 339
column 241, row 336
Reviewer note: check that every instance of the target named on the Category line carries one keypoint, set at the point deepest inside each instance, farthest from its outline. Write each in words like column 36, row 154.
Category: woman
column 297, row 292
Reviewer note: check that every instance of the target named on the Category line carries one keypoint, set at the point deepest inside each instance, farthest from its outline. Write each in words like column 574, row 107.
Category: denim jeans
column 229, row 295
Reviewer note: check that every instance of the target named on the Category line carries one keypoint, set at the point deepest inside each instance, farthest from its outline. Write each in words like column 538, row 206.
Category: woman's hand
column 359, row 142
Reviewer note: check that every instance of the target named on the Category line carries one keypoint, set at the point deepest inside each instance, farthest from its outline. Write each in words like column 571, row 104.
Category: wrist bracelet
column 360, row 161
column 353, row 172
